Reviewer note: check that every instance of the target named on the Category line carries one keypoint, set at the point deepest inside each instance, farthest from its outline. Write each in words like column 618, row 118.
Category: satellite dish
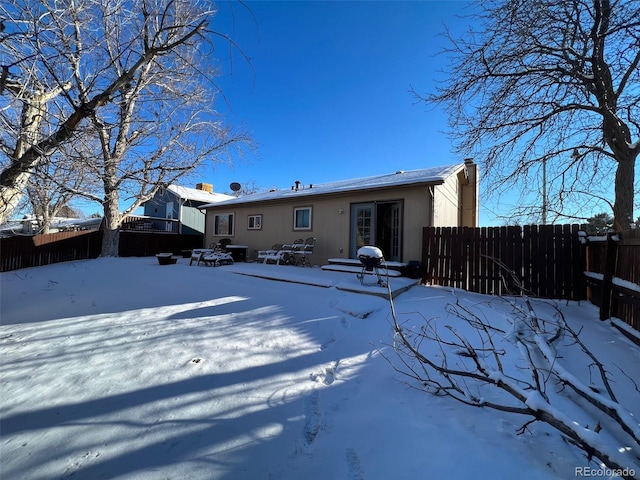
column 235, row 186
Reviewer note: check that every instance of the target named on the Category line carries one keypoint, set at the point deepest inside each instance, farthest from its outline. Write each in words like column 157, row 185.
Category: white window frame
column 297, row 227
column 254, row 222
column 230, row 228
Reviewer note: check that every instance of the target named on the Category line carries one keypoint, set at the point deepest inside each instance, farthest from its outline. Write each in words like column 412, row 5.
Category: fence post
column 607, row 278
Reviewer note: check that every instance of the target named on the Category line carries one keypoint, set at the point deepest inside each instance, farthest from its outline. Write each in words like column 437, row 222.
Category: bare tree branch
column 534, row 81
column 136, row 88
column 135, row 76
column 466, row 363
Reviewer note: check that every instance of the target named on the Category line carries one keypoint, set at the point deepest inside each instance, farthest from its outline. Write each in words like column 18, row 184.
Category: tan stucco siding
column 470, row 200
column 446, row 212
column 330, row 222
column 456, row 200
column 416, row 215
column 327, row 226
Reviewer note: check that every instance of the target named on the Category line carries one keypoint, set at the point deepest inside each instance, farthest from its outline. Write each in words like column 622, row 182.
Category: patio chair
column 270, row 253
column 289, row 250
column 210, row 257
column 214, row 256
column 220, row 246
column 301, row 255
column 196, row 256
column 216, row 259
column 279, row 257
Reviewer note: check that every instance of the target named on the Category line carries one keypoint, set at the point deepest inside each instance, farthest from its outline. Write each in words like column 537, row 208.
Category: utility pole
column 545, row 205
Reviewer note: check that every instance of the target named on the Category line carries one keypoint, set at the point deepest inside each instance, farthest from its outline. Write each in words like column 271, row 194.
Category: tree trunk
column 111, row 225
column 616, row 131
column 45, row 220
column 14, row 178
column 11, row 194
column 623, row 205
column 110, row 240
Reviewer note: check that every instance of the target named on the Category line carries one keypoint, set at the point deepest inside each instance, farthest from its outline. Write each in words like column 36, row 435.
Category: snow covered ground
column 121, row 368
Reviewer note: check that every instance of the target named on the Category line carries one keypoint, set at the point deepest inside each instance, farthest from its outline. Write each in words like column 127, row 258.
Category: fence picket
column 548, row 260
column 484, row 260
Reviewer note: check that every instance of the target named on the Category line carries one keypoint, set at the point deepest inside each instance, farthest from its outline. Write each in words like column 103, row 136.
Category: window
column 223, row 224
column 302, row 218
column 254, row 222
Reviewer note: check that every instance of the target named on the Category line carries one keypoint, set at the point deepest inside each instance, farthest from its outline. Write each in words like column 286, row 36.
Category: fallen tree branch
column 427, row 354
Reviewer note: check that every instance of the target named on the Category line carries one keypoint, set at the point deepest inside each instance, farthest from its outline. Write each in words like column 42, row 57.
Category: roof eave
column 309, row 194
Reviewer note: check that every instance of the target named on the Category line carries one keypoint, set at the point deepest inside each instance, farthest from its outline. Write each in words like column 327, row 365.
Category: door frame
column 373, row 228
column 361, row 228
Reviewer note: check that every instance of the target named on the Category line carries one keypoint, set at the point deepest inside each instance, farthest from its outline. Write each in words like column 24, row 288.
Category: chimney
column 206, row 187
column 470, row 194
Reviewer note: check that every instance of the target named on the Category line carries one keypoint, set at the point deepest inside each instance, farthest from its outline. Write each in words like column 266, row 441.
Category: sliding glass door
column 379, row 224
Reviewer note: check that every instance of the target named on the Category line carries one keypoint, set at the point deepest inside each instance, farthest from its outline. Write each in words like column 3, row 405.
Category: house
column 182, row 206
column 388, row 211
column 31, row 225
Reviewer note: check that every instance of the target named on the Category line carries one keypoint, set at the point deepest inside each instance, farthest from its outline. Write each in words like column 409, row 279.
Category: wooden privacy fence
column 613, row 275
column 143, row 244
column 548, row 261
column 540, row 260
column 34, row 251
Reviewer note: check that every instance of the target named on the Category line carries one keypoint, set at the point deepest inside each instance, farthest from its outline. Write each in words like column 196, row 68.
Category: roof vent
column 399, row 172
column 299, row 186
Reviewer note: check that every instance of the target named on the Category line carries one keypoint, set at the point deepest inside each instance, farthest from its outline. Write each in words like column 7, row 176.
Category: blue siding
column 191, row 217
column 157, row 206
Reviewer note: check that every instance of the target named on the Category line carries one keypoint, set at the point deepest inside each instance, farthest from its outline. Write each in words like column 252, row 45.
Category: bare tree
column 57, row 180
column 20, row 133
column 139, row 74
column 548, row 88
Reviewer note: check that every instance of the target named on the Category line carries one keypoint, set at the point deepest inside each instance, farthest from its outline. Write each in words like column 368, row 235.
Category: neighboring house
column 30, row 225
column 388, row 211
column 182, row 206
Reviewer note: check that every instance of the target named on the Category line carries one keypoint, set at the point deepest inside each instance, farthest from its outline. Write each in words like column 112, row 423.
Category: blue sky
column 327, row 93
column 327, row 96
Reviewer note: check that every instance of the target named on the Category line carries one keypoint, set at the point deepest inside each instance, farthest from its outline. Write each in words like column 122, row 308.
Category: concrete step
column 356, row 262
column 357, row 269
